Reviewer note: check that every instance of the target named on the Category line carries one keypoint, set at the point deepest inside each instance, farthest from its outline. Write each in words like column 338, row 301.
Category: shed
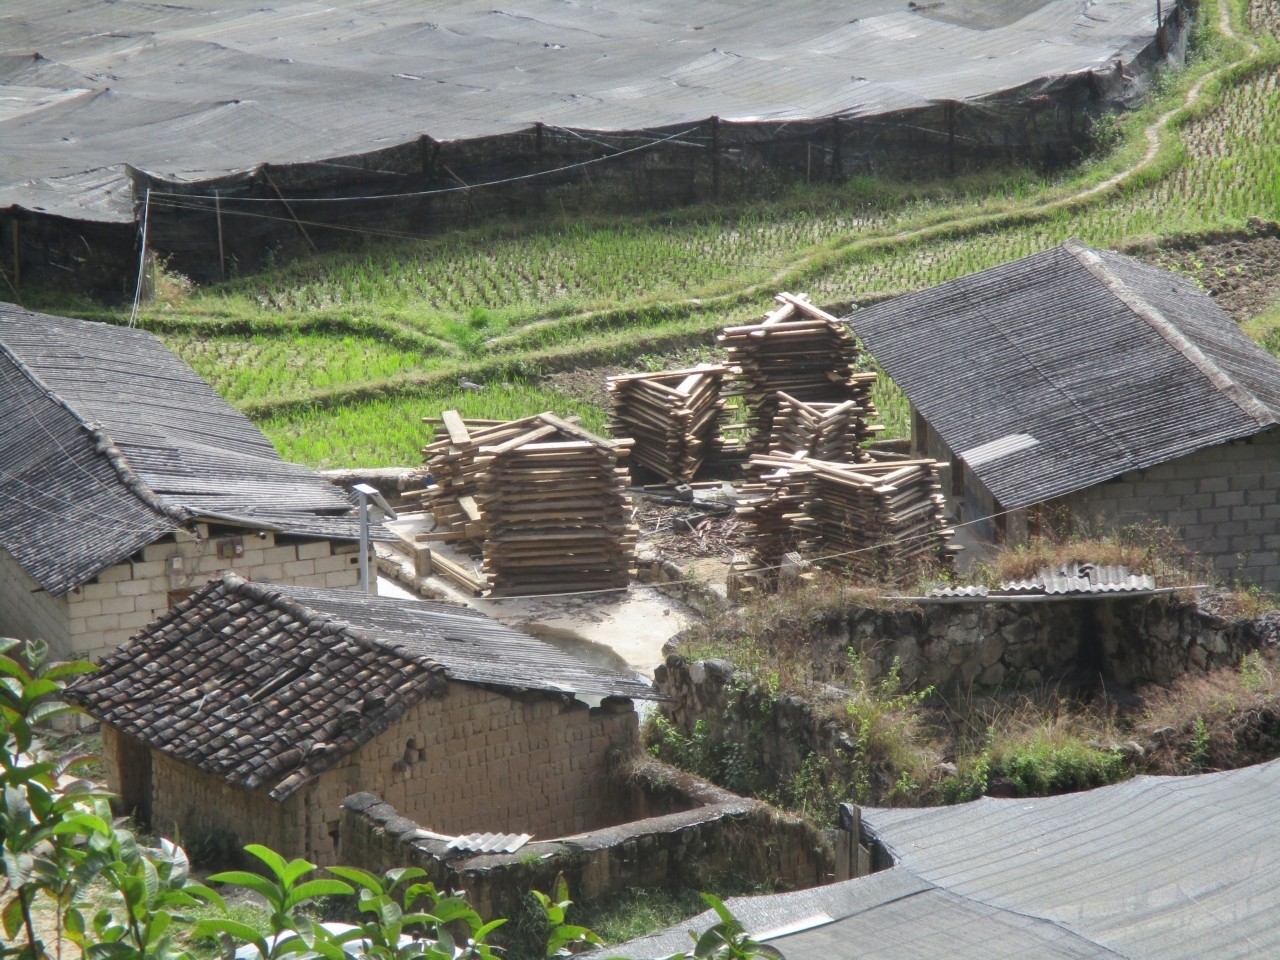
column 1085, row 383
column 125, row 480
column 1156, row 868
column 251, row 710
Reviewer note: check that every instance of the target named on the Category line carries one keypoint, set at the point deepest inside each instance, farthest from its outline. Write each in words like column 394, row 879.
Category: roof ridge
column 103, row 444
column 1249, row 404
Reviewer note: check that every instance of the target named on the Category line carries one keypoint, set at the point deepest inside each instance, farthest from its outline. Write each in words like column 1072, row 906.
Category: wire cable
column 142, row 259
column 444, row 190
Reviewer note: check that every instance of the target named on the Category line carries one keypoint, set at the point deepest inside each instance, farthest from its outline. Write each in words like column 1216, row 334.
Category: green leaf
column 251, row 881
column 43, row 712
column 232, row 928
column 357, row 876
column 716, row 904
column 316, row 888
column 157, row 926
column 82, row 823
column 12, row 917
column 269, row 857
column 12, row 668
column 150, row 879
column 18, row 867
column 68, row 668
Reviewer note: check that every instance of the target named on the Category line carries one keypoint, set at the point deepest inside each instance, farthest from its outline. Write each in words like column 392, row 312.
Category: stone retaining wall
column 685, row 832
column 960, row 649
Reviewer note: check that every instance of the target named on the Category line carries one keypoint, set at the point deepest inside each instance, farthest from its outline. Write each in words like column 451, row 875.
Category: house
column 125, row 480
column 253, row 710
column 1083, row 383
column 1180, row 868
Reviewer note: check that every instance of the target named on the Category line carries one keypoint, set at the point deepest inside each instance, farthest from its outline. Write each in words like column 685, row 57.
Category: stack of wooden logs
column 833, row 432
column 673, row 417
column 882, row 520
column 800, row 350
column 542, row 500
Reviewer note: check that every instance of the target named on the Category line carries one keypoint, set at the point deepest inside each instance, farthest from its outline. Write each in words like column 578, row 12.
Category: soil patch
column 1242, row 272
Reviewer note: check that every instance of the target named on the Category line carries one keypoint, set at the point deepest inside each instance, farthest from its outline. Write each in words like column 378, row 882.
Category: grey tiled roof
column 108, row 441
column 266, row 686
column 1069, row 367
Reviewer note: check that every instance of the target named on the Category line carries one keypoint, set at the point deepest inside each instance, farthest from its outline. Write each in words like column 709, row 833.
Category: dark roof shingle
column 108, row 441
column 1069, row 367
column 266, row 686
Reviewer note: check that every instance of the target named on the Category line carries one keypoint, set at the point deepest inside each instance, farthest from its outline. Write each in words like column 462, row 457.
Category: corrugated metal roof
column 202, row 89
column 489, row 842
column 1157, row 868
column 1081, row 578
column 1110, row 364
column 265, row 686
column 108, row 441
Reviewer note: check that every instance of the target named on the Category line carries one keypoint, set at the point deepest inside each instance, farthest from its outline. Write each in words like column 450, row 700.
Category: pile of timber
column 797, row 349
column 833, row 432
column 543, row 501
column 882, row 520
column 673, row 417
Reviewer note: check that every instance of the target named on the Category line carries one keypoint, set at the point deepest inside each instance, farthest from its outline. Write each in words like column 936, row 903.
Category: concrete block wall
column 475, row 760
column 1221, row 501
column 111, row 608
column 28, row 613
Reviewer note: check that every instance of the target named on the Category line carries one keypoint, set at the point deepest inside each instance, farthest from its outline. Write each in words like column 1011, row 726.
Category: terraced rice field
column 339, row 358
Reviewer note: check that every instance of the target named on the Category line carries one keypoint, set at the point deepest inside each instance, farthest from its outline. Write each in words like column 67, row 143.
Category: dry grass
column 1215, row 721
column 1142, row 548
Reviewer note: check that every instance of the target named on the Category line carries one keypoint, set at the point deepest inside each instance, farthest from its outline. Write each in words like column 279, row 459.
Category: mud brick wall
column 1222, row 502
column 475, row 760
column 187, row 802
column 98, row 616
column 470, row 760
column 718, row 835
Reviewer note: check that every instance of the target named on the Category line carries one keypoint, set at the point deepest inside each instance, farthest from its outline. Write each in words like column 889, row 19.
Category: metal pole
column 364, row 540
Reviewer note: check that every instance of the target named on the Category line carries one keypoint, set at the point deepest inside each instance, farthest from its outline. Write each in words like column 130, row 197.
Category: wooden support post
column 537, row 145
column 222, row 255
column 837, row 162
column 951, row 137
column 289, row 210
column 17, row 260
column 715, row 158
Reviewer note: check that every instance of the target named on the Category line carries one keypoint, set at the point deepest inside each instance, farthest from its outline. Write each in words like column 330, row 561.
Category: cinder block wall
column 111, row 608
column 1221, row 501
column 28, row 613
column 473, row 760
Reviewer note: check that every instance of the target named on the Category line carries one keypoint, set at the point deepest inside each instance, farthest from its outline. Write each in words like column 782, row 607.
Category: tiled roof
column 1069, row 367
column 265, row 687
column 108, row 441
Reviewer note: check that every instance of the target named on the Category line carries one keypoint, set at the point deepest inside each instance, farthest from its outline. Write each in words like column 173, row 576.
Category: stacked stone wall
column 961, row 650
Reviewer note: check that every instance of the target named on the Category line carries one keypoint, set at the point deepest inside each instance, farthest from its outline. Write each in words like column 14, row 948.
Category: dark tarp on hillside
column 194, row 92
column 1157, row 868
